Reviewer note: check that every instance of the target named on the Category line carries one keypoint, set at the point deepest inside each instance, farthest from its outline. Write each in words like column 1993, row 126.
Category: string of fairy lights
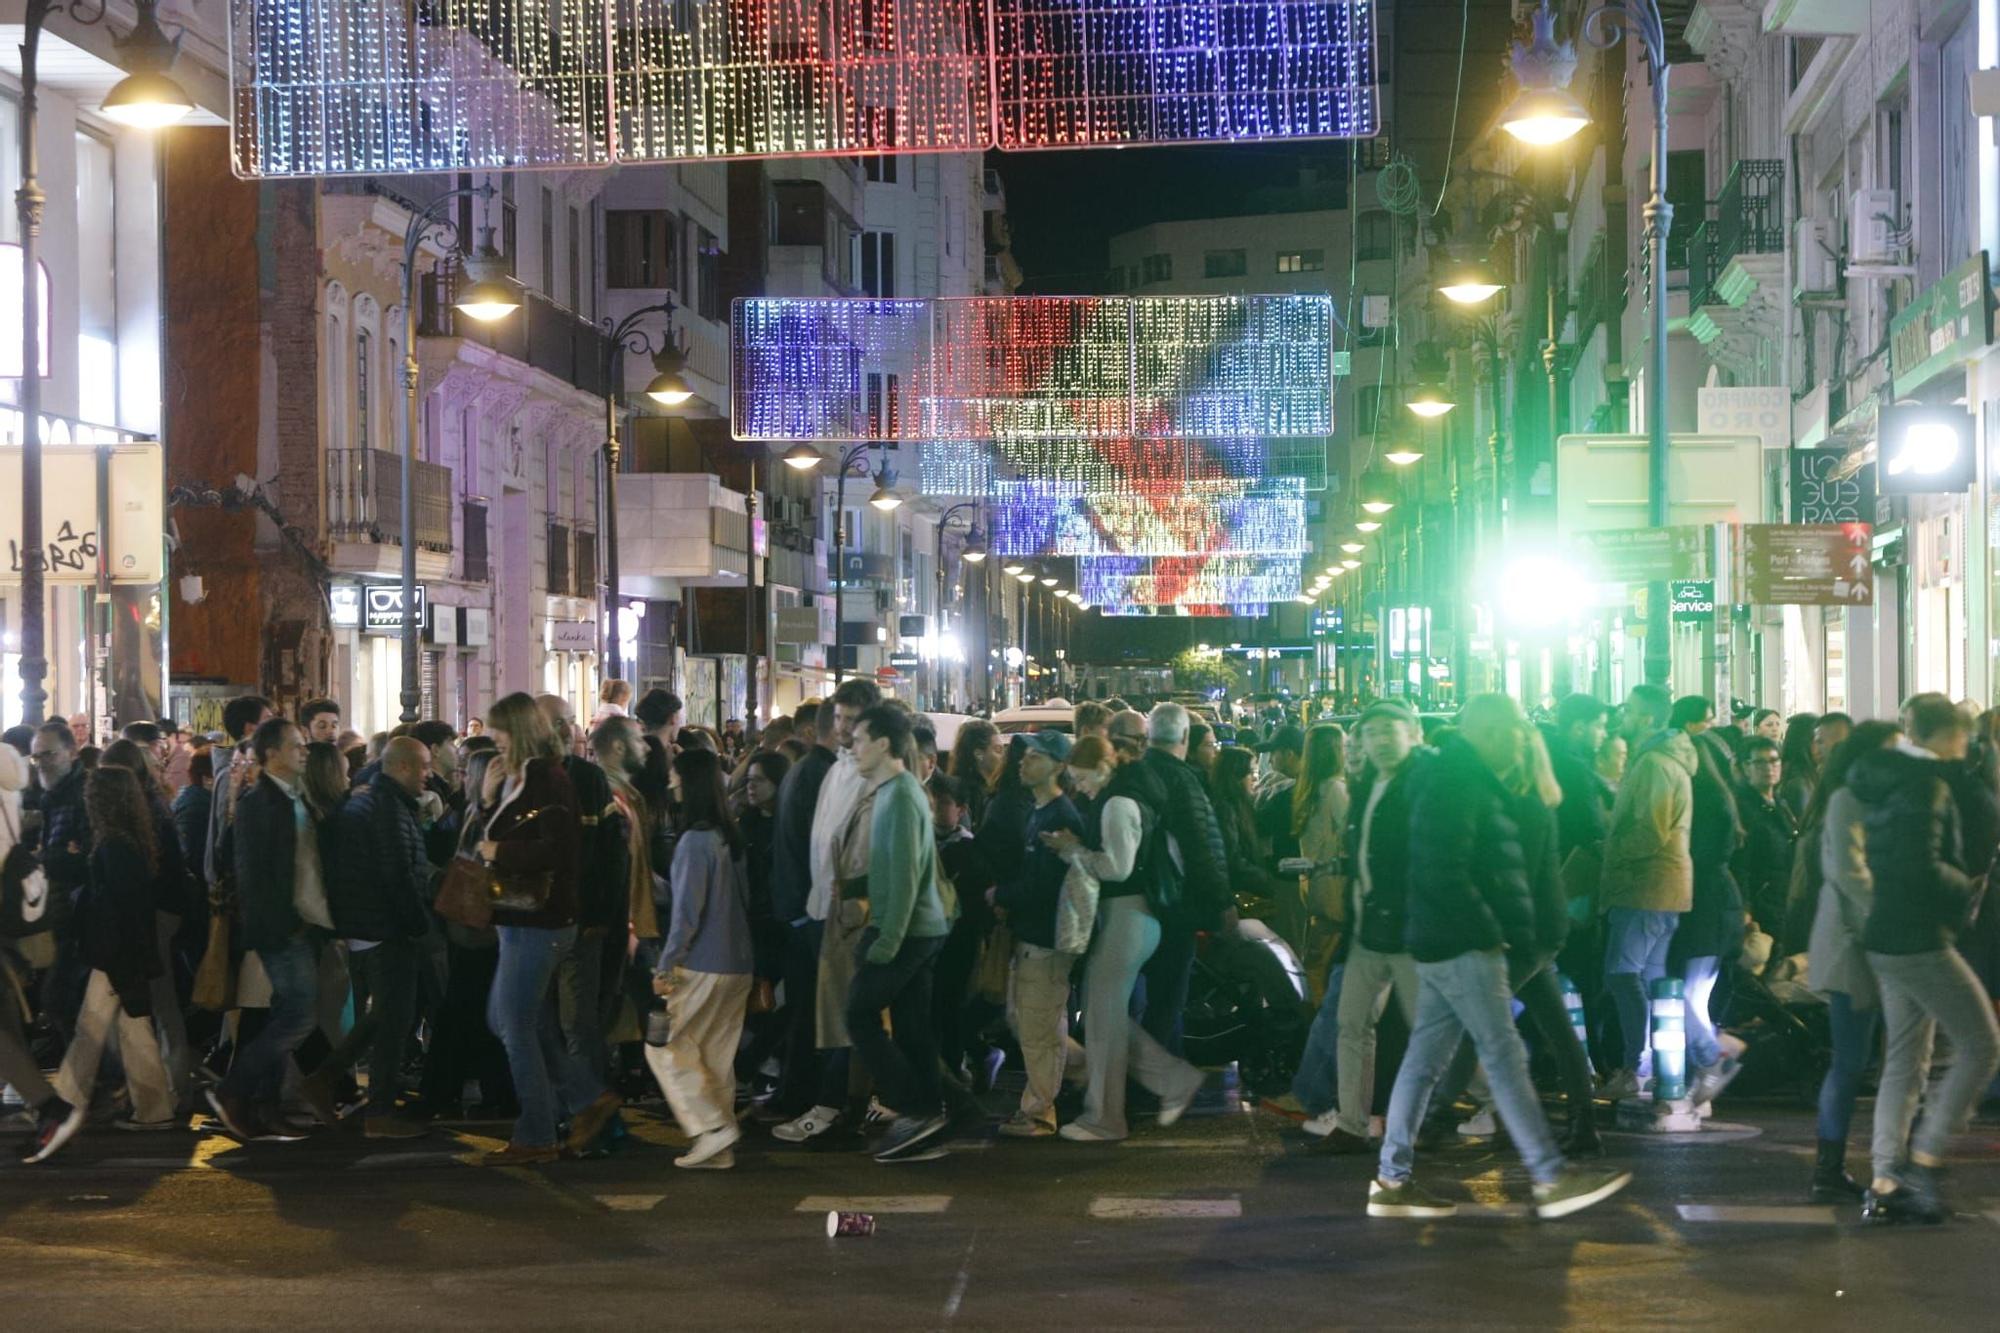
column 365, row 86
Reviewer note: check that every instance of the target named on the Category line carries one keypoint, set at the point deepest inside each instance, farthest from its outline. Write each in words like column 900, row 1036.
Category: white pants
column 1038, row 1011
column 1127, row 935
column 145, row 1074
column 1365, row 988
column 696, row 1069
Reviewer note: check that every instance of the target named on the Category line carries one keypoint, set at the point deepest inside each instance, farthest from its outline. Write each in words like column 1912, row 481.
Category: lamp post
column 489, row 298
column 804, row 456
column 1546, row 114
column 669, row 389
column 974, row 553
column 148, row 98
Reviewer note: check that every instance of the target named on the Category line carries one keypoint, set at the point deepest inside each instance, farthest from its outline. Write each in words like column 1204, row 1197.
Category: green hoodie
column 903, row 897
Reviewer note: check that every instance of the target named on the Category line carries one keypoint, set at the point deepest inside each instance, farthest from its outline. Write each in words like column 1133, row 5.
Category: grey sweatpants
column 1922, row 992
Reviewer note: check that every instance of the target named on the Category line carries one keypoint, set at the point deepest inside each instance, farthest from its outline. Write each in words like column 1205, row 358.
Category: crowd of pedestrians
column 830, row 930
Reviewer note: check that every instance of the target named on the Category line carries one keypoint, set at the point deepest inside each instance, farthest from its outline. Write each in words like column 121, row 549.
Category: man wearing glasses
column 1763, row 864
column 64, row 849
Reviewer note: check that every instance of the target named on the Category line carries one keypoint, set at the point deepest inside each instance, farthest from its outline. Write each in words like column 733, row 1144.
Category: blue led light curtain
column 970, row 468
column 1221, row 518
column 1121, row 580
column 333, row 87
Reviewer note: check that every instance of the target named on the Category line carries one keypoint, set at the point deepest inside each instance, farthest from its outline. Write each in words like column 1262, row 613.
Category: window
column 548, row 273
column 880, row 168
column 1301, row 261
column 364, row 438
column 1367, row 403
column 97, row 282
column 590, row 236
column 708, row 275
column 1157, row 268
column 1225, row 264
column 336, row 381
column 510, row 225
column 878, row 263
column 575, row 260
column 638, row 248
column 1373, row 236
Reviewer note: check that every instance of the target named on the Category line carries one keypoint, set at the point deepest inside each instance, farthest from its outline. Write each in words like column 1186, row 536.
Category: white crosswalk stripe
column 1127, row 1206
column 874, row 1203
column 1798, row 1215
column 630, row 1203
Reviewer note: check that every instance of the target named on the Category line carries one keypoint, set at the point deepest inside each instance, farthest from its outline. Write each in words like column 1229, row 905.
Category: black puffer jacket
column 1382, row 915
column 1468, row 881
column 1712, row 927
column 380, row 884
column 1916, row 851
column 1189, row 822
column 602, row 888
column 1585, row 814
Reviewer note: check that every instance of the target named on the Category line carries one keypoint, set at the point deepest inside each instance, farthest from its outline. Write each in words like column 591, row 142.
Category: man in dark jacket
column 1030, row 897
column 791, row 886
column 1194, row 848
column 378, row 898
column 1926, row 890
column 1763, row 864
column 602, row 901
column 282, row 909
column 1378, row 875
column 1469, row 904
column 63, row 846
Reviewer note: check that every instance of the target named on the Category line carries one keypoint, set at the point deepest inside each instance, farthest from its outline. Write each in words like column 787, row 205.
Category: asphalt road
column 1220, row 1221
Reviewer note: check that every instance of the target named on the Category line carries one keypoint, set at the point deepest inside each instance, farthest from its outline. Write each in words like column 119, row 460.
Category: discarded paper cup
column 850, row 1224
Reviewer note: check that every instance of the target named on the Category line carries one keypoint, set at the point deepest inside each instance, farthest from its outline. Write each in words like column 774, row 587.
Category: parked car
column 1053, row 715
column 946, row 725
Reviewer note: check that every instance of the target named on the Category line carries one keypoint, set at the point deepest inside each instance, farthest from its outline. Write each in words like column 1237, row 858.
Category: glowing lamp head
column 1351, row 563
column 803, row 457
column 1430, row 400
column 974, row 552
column 1026, row 576
column 1368, row 525
column 1468, row 282
column 1377, row 506
column 1404, row 455
column 1050, row 580
column 1352, row 548
column 491, row 294
column 1013, row 569
column 1541, row 117
column 669, row 387
column 1539, row 591
column 148, row 100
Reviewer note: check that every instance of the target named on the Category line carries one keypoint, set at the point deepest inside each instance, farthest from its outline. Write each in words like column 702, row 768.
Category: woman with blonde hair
column 530, row 845
column 1319, row 821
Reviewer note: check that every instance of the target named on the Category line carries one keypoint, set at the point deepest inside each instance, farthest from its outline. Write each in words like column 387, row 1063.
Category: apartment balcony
column 679, row 530
column 364, row 513
column 541, row 334
column 1736, row 265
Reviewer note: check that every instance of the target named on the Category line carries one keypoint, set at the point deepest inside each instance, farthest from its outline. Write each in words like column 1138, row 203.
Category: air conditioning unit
column 1814, row 254
column 1871, row 221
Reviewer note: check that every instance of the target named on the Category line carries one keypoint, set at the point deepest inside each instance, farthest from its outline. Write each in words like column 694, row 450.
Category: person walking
column 1124, row 845
column 703, row 971
column 530, row 843
column 120, row 943
column 272, row 845
column 379, row 892
column 1194, row 845
column 1836, row 965
column 1926, row 890
column 1038, row 991
column 907, row 926
column 1648, row 875
column 1470, row 904
column 56, row 1121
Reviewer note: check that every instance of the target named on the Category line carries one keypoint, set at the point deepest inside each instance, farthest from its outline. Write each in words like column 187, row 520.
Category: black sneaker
column 56, row 1123
column 1898, row 1207
column 907, row 1133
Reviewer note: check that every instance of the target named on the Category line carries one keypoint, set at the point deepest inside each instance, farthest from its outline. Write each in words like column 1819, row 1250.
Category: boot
column 1580, row 1141
column 1830, row 1182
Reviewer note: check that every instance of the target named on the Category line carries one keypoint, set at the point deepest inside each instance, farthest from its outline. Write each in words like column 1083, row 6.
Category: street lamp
column 973, row 553
column 1544, row 112
column 857, row 454
column 488, row 298
column 1368, row 525
column 974, row 550
column 1469, row 281
column 1604, row 27
column 885, row 497
column 621, row 337
column 1013, row 569
column 802, row 458
column 148, row 98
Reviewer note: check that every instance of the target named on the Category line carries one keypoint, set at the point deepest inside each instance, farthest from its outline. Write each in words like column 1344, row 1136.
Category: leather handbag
column 466, row 895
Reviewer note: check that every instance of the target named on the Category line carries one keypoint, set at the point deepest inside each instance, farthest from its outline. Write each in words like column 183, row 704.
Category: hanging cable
column 1458, row 90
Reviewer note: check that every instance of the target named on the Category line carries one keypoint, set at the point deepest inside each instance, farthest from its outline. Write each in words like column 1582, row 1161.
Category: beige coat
column 1646, row 862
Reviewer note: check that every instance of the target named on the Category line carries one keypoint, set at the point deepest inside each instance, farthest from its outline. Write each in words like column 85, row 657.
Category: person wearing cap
column 1283, row 755
column 1038, row 996
column 1378, row 957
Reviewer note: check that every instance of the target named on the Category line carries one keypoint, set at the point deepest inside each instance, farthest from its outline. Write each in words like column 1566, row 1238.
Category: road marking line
column 1496, row 1210
column 411, row 1158
column 957, row 1297
column 874, row 1203
column 1759, row 1214
column 1124, row 1206
column 630, row 1203
column 158, row 1163
column 1220, row 1145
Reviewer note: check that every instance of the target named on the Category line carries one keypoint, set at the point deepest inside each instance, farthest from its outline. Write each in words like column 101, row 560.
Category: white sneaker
column 1320, row 1126
column 1078, row 1132
column 1172, row 1110
column 808, row 1126
column 710, row 1145
column 1479, row 1126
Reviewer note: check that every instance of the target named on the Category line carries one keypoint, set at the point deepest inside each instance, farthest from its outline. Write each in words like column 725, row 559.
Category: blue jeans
column 1853, row 1033
column 1467, row 996
column 257, row 1074
column 1698, row 976
column 1635, row 956
column 1316, row 1083
column 520, row 1014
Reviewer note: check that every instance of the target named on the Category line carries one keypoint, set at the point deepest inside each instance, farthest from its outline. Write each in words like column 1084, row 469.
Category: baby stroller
column 1785, row 1029
column 1247, row 1004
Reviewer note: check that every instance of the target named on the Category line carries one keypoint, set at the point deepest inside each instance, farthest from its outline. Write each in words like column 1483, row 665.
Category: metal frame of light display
column 1187, row 580
column 1043, row 367
column 338, row 87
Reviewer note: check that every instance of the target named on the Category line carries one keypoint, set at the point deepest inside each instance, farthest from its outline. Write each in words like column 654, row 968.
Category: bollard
column 1573, row 1006
column 1669, row 1041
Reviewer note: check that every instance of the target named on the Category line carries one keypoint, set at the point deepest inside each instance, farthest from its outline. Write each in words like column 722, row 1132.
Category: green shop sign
column 1942, row 328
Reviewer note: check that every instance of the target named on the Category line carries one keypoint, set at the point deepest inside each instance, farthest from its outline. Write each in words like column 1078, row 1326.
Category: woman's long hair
column 1798, row 756
column 529, row 735
column 1233, row 764
column 325, row 782
column 1325, row 762
column 116, row 805
column 133, row 758
column 1866, row 738
column 972, row 740
column 703, row 799
column 1536, row 774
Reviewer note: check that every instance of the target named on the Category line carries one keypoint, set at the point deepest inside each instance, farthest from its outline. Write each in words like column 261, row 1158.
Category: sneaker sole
column 921, row 1154
column 1563, row 1208
column 912, row 1143
column 1410, row 1210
